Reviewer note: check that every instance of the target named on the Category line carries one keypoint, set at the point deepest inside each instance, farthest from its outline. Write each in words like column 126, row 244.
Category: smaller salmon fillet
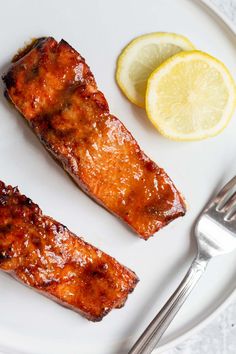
column 45, row 255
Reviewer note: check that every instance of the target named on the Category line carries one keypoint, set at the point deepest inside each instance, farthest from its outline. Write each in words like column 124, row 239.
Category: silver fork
column 215, row 231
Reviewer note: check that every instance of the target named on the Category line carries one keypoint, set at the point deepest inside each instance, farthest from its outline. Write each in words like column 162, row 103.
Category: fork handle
column 153, row 333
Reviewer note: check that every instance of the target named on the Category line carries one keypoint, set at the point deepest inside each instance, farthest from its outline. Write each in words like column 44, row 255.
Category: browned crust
column 55, row 90
column 43, row 254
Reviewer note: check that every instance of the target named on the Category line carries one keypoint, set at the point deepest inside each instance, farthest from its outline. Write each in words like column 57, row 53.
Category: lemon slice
column 191, row 96
column 143, row 55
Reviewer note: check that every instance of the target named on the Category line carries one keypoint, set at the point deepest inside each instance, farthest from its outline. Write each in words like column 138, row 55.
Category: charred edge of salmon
column 67, row 306
column 27, row 48
column 118, row 305
column 7, row 77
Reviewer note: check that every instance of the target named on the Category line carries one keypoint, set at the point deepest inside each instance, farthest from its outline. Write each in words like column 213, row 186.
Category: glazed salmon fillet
column 45, row 255
column 55, row 91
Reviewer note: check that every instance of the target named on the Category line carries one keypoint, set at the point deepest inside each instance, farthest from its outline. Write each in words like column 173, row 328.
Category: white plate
column 30, row 323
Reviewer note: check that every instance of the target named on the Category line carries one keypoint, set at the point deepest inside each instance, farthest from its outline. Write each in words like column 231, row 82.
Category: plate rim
column 214, row 12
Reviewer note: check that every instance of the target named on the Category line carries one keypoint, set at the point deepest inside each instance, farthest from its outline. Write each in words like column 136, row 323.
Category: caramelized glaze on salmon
column 54, row 89
column 45, row 255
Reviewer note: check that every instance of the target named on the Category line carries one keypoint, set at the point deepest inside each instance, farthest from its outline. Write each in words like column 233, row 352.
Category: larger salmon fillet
column 45, row 255
column 54, row 89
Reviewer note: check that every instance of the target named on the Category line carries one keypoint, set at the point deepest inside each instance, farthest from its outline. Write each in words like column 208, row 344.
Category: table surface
column 219, row 337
